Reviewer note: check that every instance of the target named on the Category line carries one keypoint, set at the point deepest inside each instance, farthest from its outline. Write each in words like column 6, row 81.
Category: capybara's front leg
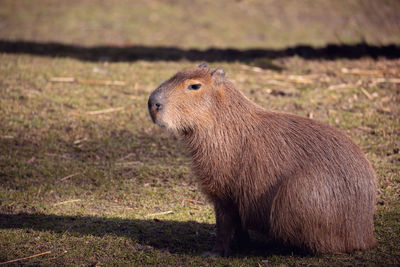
column 225, row 227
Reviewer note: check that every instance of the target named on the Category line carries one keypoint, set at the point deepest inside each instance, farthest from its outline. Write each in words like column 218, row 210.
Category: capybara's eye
column 195, row 86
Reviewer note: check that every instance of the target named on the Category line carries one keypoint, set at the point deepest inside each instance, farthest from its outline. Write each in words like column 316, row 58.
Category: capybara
column 297, row 180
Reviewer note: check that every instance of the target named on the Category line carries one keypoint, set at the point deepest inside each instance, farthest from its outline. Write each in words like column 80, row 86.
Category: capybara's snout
column 155, row 104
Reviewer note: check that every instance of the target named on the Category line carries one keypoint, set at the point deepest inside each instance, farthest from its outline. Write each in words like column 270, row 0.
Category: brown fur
column 298, row 180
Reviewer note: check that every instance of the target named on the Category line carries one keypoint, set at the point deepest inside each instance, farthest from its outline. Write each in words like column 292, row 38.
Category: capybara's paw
column 241, row 239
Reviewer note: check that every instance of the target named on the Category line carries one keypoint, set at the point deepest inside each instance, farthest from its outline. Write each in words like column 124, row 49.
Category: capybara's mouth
column 153, row 115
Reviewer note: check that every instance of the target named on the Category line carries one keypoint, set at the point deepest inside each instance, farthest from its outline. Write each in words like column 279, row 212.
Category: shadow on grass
column 133, row 53
column 174, row 236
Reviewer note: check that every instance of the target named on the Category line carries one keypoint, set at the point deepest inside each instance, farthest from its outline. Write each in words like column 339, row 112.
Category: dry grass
column 86, row 175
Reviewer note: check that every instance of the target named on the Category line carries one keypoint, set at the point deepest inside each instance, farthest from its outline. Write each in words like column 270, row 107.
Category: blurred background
column 269, row 24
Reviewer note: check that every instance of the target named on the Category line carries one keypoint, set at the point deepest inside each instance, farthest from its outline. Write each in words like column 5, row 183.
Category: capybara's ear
column 203, row 65
column 218, row 76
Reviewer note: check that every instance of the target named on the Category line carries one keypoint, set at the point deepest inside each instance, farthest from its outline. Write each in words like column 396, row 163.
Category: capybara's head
column 188, row 99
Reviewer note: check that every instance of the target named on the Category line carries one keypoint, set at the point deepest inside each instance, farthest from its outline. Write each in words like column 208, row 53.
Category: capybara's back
column 298, row 180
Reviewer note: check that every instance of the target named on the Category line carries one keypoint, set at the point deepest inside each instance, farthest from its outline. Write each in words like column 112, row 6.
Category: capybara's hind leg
column 305, row 213
column 320, row 217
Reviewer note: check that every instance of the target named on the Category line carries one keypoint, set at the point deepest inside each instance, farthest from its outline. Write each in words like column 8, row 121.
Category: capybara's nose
column 158, row 106
column 155, row 101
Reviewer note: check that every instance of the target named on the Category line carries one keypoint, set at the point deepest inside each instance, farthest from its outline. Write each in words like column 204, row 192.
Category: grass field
column 87, row 177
